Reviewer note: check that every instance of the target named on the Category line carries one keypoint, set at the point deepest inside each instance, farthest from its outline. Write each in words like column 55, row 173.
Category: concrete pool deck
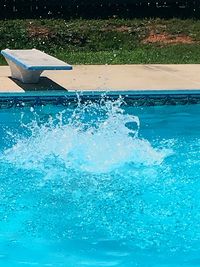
column 109, row 78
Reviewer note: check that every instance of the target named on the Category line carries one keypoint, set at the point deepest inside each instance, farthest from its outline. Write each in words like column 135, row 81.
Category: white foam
column 96, row 146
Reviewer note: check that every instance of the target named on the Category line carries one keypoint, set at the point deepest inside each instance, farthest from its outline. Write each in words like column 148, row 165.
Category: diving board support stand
column 27, row 65
column 23, row 75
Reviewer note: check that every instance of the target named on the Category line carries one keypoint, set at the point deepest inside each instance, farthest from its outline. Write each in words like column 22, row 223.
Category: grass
column 111, row 41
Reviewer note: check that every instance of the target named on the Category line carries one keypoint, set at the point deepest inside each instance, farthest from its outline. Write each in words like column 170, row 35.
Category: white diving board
column 27, row 65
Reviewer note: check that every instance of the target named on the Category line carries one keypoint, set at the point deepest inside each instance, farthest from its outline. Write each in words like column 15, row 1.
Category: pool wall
column 137, row 98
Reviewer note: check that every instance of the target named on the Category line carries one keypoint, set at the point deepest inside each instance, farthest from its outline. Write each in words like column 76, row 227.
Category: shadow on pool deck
column 45, row 84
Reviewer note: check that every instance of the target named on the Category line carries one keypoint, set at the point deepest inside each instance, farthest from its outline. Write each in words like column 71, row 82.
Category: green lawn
column 111, row 41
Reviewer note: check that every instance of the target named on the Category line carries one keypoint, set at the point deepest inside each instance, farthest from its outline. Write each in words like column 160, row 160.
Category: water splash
column 93, row 137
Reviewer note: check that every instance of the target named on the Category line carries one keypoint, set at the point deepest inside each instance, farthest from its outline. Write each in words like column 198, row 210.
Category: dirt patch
column 123, row 29
column 39, row 32
column 114, row 28
column 166, row 38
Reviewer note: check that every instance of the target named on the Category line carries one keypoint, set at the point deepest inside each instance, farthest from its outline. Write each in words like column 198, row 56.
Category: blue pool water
column 100, row 184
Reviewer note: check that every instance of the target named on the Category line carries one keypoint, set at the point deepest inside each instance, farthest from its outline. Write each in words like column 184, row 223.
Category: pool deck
column 109, row 78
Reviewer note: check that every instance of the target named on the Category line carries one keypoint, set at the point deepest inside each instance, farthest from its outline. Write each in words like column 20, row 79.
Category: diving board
column 27, row 65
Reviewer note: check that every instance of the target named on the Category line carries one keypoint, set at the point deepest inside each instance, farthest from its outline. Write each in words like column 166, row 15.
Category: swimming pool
column 100, row 183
